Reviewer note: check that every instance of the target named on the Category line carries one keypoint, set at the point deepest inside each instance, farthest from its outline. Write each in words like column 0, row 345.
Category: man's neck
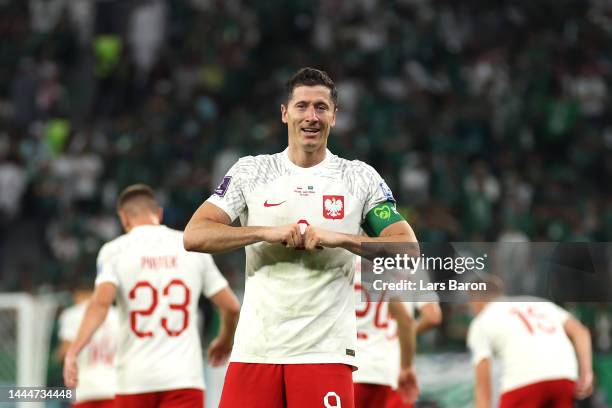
column 306, row 159
column 140, row 221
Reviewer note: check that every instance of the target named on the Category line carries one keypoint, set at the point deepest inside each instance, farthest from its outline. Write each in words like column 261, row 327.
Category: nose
column 311, row 114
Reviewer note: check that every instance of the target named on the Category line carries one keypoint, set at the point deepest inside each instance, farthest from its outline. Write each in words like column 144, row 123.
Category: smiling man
column 301, row 213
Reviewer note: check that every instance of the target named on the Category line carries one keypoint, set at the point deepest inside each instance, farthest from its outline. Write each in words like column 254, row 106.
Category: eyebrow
column 316, row 102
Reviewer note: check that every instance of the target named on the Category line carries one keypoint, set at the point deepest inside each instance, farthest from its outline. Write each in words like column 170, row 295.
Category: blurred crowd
column 489, row 120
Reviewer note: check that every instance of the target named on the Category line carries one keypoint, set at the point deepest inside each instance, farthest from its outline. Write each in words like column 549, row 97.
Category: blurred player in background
column 156, row 284
column 381, row 370
column 301, row 211
column 545, row 353
column 385, row 340
column 429, row 316
column 97, row 380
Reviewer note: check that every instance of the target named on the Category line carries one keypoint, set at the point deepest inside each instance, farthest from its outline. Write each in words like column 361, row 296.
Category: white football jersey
column 97, row 380
column 158, row 286
column 298, row 305
column 378, row 347
column 529, row 339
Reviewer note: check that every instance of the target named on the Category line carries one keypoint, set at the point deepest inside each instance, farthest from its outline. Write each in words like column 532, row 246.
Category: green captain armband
column 380, row 217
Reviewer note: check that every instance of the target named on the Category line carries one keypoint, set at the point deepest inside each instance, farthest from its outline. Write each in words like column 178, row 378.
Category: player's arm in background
column 482, row 388
column 95, row 314
column 406, row 332
column 229, row 309
column 581, row 339
column 482, row 353
column 430, row 316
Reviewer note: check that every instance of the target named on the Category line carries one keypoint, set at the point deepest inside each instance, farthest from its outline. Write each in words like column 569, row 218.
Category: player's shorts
column 371, row 395
column 395, row 401
column 183, row 398
column 554, row 393
column 105, row 403
column 288, row 386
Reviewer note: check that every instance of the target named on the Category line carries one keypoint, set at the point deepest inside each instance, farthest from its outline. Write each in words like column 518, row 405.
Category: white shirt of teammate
column 528, row 336
column 378, row 346
column 158, row 286
column 97, row 380
column 298, row 305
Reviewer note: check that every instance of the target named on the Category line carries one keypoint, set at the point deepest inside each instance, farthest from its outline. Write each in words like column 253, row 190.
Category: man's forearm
column 229, row 321
column 407, row 340
column 353, row 243
column 582, row 345
column 214, row 237
column 483, row 397
column 93, row 318
column 406, row 333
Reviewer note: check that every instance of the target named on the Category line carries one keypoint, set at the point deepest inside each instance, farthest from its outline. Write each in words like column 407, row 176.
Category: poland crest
column 333, row 207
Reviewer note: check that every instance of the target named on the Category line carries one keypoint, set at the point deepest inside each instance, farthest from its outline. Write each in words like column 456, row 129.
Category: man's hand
column 219, row 351
column 584, row 386
column 317, row 238
column 407, row 386
column 289, row 235
column 71, row 370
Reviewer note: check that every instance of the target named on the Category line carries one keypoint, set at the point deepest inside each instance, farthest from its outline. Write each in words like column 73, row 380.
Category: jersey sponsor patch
column 222, row 188
column 386, row 191
column 333, row 207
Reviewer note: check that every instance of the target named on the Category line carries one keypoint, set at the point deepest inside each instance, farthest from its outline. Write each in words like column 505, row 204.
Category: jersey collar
column 294, row 166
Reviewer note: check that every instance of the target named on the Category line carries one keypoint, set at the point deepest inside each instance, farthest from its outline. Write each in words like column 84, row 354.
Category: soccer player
column 545, row 353
column 380, row 370
column 156, row 285
column 429, row 316
column 386, row 346
column 301, row 211
column 96, row 388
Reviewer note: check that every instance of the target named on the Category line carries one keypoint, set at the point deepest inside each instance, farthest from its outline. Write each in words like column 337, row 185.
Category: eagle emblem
column 333, row 207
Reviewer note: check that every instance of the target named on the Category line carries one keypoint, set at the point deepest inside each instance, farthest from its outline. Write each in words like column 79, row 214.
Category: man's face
column 310, row 114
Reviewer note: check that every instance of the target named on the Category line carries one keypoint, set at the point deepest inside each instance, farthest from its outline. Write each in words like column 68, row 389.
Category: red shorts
column 395, row 401
column 554, row 393
column 184, row 398
column 106, row 403
column 287, row 386
column 371, row 395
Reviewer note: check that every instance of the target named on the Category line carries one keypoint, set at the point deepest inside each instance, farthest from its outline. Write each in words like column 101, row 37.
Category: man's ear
column 160, row 214
column 125, row 221
column 283, row 113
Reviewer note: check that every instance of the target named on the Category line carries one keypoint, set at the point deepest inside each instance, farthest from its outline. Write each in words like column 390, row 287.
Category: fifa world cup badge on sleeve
column 222, row 189
column 386, row 191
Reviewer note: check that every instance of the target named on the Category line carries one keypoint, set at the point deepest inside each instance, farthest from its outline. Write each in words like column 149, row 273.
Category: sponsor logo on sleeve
column 333, row 207
column 386, row 191
column 222, row 189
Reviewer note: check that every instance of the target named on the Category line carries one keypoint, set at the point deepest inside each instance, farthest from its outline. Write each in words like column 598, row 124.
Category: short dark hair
column 137, row 191
column 311, row 77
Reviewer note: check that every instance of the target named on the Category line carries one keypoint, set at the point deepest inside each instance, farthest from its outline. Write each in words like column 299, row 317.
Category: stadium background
column 490, row 120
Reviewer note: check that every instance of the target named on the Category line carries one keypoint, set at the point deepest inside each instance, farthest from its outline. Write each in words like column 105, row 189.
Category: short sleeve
column 558, row 313
column 68, row 325
column 106, row 266
column 212, row 281
column 229, row 195
column 478, row 342
column 377, row 191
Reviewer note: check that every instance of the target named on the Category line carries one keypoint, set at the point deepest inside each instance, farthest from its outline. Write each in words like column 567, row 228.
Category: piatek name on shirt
column 159, row 262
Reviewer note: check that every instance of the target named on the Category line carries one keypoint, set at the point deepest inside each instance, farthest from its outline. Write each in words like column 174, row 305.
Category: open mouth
column 310, row 131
